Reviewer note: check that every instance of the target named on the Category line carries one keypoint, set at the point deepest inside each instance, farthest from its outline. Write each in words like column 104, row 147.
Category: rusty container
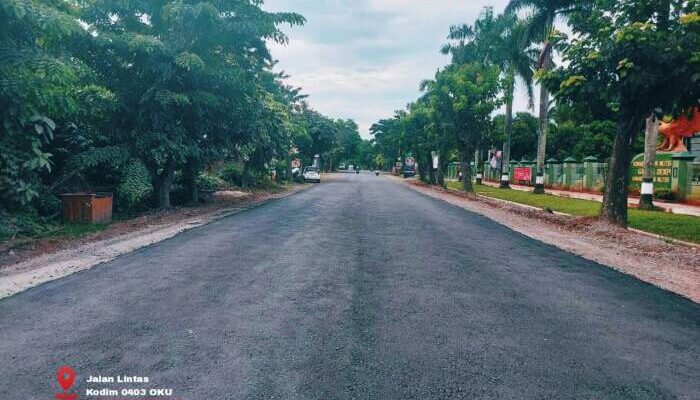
column 87, row 207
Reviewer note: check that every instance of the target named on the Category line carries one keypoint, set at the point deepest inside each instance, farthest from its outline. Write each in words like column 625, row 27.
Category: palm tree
column 503, row 41
column 543, row 13
column 475, row 44
column 515, row 60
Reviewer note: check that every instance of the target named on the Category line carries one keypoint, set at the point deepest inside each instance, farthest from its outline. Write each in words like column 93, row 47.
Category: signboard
column 522, row 174
column 436, row 159
column 296, row 163
column 663, row 171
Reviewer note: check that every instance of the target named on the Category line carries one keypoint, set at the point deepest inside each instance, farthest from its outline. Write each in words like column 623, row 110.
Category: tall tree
column 543, row 14
column 501, row 41
column 641, row 57
column 463, row 98
column 188, row 78
column 515, row 60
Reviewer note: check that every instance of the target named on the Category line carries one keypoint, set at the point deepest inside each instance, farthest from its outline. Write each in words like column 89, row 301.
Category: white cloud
column 363, row 59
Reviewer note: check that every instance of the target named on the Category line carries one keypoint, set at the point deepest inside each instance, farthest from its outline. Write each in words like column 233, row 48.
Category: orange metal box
column 87, row 207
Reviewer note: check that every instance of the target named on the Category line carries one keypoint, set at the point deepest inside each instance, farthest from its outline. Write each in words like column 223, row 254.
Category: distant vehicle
column 376, row 172
column 341, row 166
column 409, row 167
column 312, row 174
column 351, row 167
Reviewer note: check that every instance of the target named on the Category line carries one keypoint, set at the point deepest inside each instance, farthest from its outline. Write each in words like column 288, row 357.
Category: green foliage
column 621, row 57
column 206, row 181
column 94, row 157
column 134, row 187
column 40, row 82
column 21, row 224
column 524, row 135
column 232, row 175
column 47, row 204
column 580, row 140
column 628, row 59
column 266, row 184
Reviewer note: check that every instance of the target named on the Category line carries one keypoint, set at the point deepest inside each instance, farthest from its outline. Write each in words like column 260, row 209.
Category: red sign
column 296, row 163
column 523, row 174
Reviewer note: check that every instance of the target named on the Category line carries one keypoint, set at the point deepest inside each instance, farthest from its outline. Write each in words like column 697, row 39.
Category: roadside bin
column 87, row 207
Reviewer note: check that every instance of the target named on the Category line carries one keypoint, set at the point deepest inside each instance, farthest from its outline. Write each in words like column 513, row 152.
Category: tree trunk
column 425, row 166
column 440, row 176
column 615, row 198
column 478, row 168
column 505, row 158
column 650, row 137
column 420, row 168
column 288, row 172
column 190, row 178
column 245, row 174
column 164, row 183
column 466, row 172
column 543, row 125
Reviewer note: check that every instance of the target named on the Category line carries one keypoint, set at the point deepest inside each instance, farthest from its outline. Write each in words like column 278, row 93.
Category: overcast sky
column 363, row 59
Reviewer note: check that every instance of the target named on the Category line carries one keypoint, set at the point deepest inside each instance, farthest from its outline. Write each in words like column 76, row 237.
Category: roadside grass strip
column 676, row 226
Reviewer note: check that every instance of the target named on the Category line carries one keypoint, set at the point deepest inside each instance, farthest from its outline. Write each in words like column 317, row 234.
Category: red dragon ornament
column 676, row 130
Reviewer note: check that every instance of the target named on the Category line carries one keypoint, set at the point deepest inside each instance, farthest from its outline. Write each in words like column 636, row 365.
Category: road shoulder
column 87, row 253
column 671, row 266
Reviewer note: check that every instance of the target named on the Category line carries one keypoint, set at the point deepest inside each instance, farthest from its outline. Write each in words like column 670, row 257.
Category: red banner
column 523, row 174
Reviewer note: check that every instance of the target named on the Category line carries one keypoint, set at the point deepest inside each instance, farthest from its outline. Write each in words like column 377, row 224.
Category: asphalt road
column 358, row 288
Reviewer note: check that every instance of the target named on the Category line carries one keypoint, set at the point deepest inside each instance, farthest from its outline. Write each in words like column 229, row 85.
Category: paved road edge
column 49, row 267
column 638, row 265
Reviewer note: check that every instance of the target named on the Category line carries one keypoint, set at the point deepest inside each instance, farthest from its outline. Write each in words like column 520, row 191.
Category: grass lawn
column 682, row 227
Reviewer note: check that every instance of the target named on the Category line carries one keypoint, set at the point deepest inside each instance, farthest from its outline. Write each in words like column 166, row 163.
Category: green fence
column 693, row 186
column 676, row 175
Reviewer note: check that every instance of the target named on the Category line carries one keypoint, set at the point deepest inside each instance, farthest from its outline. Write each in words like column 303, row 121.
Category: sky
column 363, row 59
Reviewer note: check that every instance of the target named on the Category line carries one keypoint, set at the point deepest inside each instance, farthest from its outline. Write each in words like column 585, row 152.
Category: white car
column 312, row 174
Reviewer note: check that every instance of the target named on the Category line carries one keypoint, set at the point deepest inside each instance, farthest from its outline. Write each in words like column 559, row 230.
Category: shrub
column 665, row 194
column 265, row 183
column 135, row 186
column 232, row 175
column 24, row 224
column 47, row 204
column 209, row 182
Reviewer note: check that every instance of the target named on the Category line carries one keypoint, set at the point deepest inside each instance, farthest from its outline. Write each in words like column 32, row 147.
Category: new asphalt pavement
column 358, row 288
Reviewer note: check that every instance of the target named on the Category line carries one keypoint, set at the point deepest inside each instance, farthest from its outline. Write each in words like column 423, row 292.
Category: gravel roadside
column 73, row 255
column 671, row 266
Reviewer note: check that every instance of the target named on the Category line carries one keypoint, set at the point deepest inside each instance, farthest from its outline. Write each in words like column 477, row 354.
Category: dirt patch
column 34, row 262
column 669, row 265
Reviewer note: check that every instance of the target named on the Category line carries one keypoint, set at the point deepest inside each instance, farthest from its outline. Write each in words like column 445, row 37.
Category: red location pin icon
column 66, row 377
